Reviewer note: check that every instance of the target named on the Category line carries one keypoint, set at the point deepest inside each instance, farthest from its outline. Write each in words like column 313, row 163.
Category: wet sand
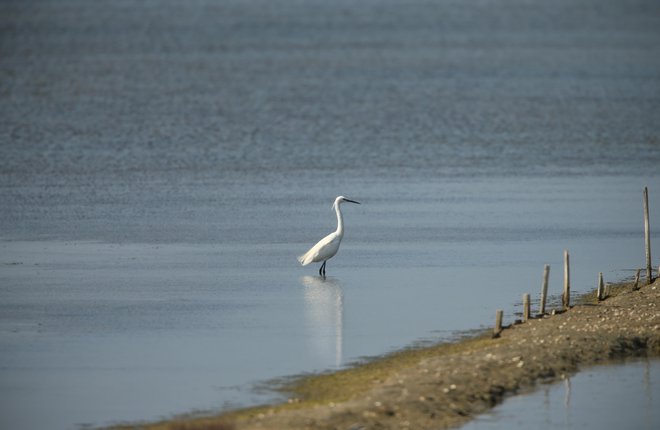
column 446, row 385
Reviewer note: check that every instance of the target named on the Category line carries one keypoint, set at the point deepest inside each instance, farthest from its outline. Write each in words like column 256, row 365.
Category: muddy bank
column 445, row 385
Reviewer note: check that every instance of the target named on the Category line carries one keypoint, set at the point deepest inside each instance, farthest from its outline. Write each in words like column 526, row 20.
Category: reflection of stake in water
column 567, row 400
column 324, row 312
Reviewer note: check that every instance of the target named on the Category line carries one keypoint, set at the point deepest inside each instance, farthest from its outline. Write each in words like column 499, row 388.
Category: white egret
column 327, row 247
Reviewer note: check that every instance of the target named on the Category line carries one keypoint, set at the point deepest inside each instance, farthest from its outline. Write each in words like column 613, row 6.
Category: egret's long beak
column 352, row 201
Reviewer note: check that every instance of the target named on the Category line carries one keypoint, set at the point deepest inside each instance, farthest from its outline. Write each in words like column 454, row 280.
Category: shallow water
column 132, row 331
column 583, row 401
column 163, row 164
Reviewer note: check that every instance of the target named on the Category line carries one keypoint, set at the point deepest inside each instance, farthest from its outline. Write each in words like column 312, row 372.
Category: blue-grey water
column 603, row 397
column 162, row 164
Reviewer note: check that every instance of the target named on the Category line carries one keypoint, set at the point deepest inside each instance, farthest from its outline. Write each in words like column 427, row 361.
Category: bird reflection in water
column 324, row 312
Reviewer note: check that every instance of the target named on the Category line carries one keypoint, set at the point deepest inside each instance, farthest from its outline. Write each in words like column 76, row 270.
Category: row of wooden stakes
column 602, row 290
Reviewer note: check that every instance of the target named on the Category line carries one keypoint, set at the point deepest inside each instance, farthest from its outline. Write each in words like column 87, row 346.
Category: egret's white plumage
column 327, row 247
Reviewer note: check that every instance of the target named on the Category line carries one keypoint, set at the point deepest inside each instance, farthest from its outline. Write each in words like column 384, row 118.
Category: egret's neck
column 340, row 221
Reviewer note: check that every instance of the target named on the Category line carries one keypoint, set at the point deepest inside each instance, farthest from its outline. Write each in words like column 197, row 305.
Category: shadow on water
column 324, row 316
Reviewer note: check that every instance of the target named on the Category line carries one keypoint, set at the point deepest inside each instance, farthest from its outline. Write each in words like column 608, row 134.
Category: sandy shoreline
column 446, row 385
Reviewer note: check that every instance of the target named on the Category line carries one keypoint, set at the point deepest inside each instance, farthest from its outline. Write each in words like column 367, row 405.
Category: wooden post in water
column 636, row 284
column 526, row 307
column 647, row 237
column 601, row 287
column 544, row 289
column 566, row 297
column 498, row 323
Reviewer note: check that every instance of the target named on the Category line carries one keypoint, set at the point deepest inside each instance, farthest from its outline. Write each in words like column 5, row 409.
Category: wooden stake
column 544, row 289
column 601, row 287
column 647, row 237
column 636, row 285
column 498, row 323
column 566, row 298
column 526, row 307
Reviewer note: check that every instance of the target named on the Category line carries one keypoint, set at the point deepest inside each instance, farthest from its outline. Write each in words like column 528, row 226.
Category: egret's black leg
column 322, row 269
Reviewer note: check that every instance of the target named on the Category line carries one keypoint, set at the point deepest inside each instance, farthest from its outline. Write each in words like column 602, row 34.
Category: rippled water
column 162, row 164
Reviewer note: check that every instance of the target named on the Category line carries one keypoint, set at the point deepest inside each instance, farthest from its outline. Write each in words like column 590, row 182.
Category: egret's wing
column 324, row 249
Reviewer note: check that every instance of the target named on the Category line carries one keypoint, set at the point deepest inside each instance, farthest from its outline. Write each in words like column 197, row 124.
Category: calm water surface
column 163, row 163
column 631, row 390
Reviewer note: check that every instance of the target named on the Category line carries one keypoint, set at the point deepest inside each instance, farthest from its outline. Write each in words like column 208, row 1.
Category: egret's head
column 341, row 199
